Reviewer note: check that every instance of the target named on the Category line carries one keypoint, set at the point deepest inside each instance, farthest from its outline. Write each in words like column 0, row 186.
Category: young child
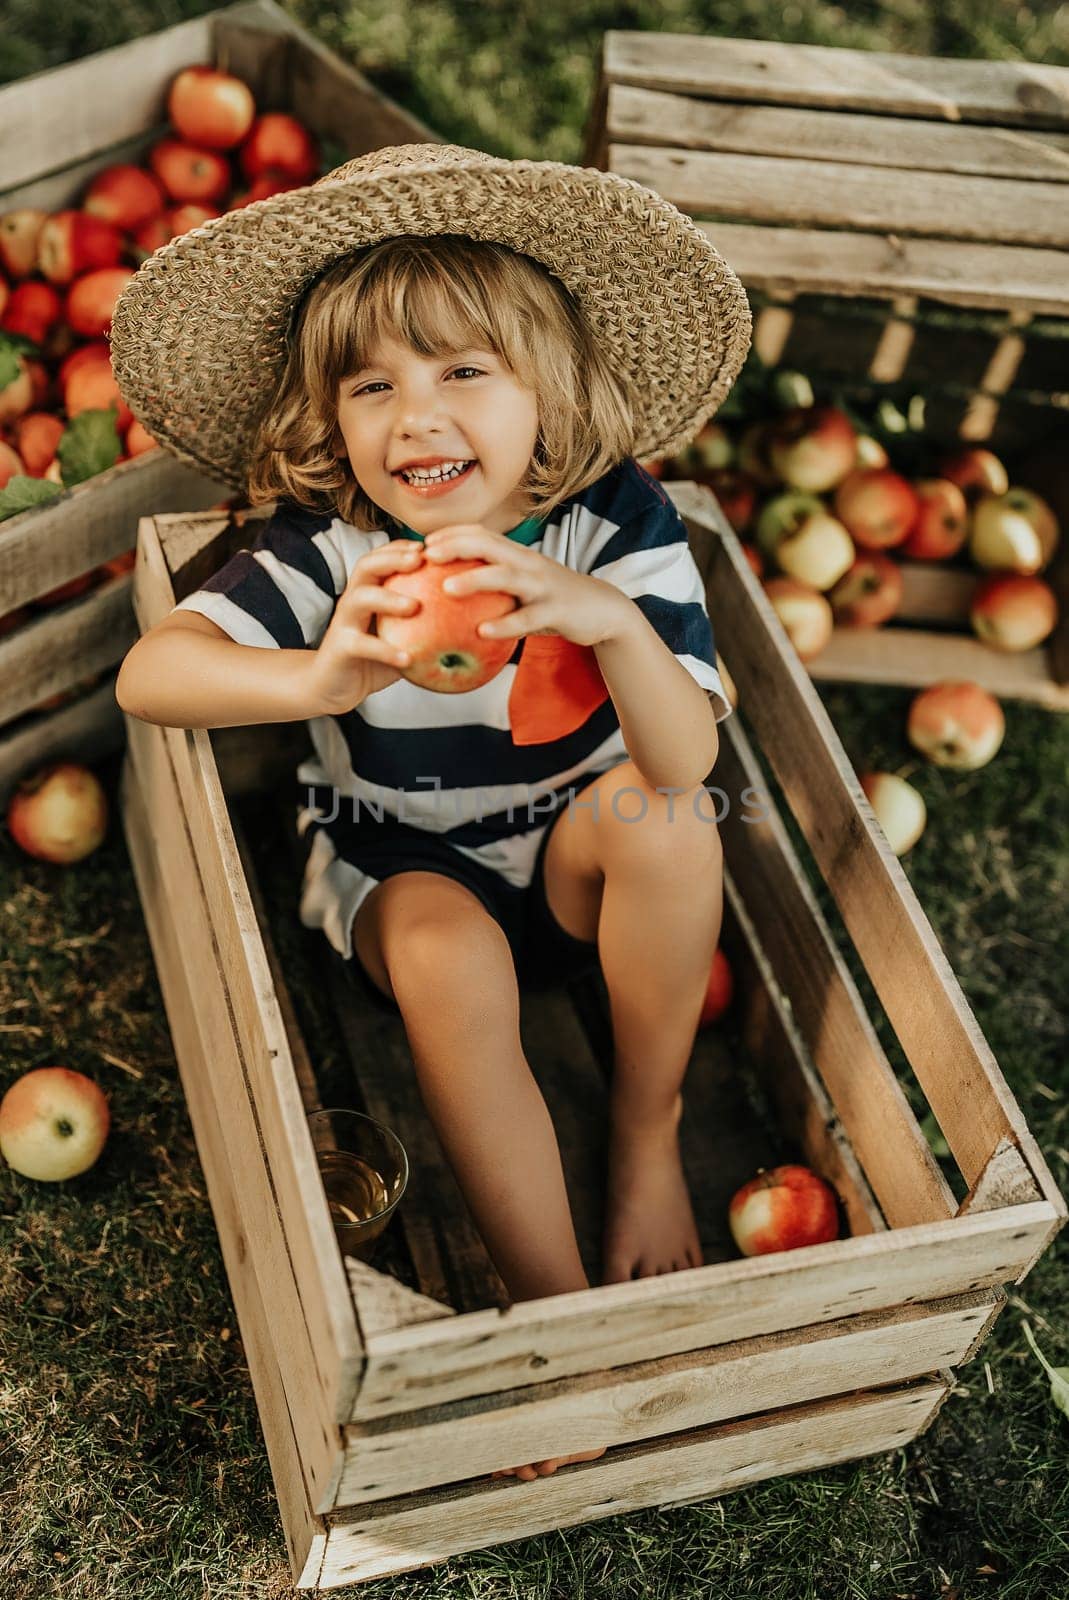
column 433, row 354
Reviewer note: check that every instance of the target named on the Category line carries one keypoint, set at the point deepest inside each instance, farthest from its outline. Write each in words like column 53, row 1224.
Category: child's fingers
column 369, row 647
column 367, row 598
column 401, row 556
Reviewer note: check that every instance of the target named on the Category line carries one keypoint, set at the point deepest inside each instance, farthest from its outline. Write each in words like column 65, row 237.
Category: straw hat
column 198, row 339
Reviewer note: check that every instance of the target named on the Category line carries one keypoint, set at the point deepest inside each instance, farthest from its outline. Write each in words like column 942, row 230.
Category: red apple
column 721, row 988
column 877, row 507
column 1011, row 611
column 280, row 141
column 96, row 350
column 59, row 813
column 188, row 173
column 448, row 655
column 10, row 463
column 93, row 388
column 16, row 397
column 72, row 242
column 5, row 296
column 1015, row 532
column 53, row 1124
column 274, row 182
column 183, row 218
column 899, row 808
column 804, row 612
column 956, row 725
column 975, row 472
column 153, row 235
column 869, row 592
column 91, row 300
column 124, row 195
column 138, row 439
column 40, row 383
column 19, row 233
column 942, row 523
column 735, row 493
column 210, row 108
column 37, row 435
column 785, row 1208
column 813, row 447
column 32, row 310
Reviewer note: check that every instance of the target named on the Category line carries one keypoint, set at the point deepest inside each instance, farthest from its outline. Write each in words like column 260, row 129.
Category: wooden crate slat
column 655, row 1398
column 619, row 1323
column 916, row 657
column 825, row 1006
column 983, row 276
column 195, row 1054
column 919, row 991
column 1017, row 93
column 399, row 1535
column 825, row 193
column 65, row 644
column 649, row 117
column 86, row 730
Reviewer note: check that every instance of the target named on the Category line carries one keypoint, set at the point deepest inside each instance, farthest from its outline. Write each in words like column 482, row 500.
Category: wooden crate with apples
column 390, row 1391
column 900, row 224
column 65, row 615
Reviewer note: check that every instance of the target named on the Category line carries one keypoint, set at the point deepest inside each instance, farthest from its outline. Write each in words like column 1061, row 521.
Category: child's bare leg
column 453, row 977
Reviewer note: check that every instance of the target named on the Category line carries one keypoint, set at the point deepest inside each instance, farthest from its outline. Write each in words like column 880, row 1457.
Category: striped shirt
column 487, row 769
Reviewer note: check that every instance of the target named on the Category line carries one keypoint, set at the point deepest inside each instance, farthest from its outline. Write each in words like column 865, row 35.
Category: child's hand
column 552, row 598
column 351, row 661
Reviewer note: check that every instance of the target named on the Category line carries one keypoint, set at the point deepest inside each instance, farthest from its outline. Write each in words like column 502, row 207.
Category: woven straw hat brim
column 198, row 339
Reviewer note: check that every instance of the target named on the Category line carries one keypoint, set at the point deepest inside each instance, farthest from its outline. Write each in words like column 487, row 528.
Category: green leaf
column 90, row 444
column 13, row 345
column 1059, row 1376
column 21, row 494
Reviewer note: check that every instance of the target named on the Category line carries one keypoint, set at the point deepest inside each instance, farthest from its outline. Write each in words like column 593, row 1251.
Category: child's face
column 464, row 406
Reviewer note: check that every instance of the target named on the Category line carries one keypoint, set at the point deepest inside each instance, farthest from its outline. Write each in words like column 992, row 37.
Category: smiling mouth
column 425, row 486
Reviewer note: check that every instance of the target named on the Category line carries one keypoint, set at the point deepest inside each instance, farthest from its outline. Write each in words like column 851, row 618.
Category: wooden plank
column 63, row 188
column 538, row 1341
column 834, row 193
column 1016, row 93
column 314, row 1347
column 918, row 990
column 195, row 1054
column 399, row 1535
column 65, row 644
column 915, row 658
column 656, row 1398
column 92, row 522
column 649, row 117
column 86, row 730
column 812, row 261
column 824, row 1003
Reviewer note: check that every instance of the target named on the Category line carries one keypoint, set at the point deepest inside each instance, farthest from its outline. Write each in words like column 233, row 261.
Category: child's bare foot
column 543, row 1469
column 649, row 1223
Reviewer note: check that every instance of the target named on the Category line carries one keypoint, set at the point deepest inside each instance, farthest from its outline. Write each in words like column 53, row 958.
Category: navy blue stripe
column 291, row 541
column 658, row 528
column 245, row 582
column 684, row 626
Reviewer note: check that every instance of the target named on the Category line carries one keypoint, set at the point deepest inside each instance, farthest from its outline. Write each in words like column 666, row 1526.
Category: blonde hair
column 437, row 294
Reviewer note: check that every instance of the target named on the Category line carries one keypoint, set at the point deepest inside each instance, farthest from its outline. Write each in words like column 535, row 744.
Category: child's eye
column 369, row 386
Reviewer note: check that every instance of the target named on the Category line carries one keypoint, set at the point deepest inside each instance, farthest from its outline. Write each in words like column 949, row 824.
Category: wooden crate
column 49, row 157
column 388, row 1395
column 860, row 196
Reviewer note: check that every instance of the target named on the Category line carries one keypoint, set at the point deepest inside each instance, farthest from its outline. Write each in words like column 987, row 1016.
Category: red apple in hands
column 877, row 507
column 278, row 140
column 188, row 173
column 721, row 986
column 942, row 523
column 72, row 242
column 1011, row 611
column 1015, row 532
column 448, row 655
column 91, row 300
column 124, row 195
column 59, row 813
column 956, row 724
column 813, row 447
column 869, row 592
column 784, row 1208
column 53, row 1124
column 210, row 108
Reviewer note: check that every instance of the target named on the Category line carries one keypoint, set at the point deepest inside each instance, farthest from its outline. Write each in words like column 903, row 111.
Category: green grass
column 131, row 1459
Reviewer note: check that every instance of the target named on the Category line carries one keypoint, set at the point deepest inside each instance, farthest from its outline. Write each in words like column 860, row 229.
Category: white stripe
column 218, row 608
column 312, row 608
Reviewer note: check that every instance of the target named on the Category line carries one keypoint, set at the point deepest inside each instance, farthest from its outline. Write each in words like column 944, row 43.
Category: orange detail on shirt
column 557, row 686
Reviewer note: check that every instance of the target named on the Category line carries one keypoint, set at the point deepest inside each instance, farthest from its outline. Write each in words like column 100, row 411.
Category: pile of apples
column 823, row 515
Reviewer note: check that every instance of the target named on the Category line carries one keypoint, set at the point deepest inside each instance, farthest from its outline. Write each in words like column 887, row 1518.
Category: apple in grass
column 210, row 108
column 124, row 195
column 1011, row 611
column 58, row 813
column 975, row 472
column 899, row 808
column 189, row 173
column 876, row 506
column 53, row 1124
column 956, row 724
column 813, row 447
column 805, row 614
column 783, row 1208
column 942, row 522
column 72, row 242
column 448, row 655
column 869, row 593
column 1013, row 532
